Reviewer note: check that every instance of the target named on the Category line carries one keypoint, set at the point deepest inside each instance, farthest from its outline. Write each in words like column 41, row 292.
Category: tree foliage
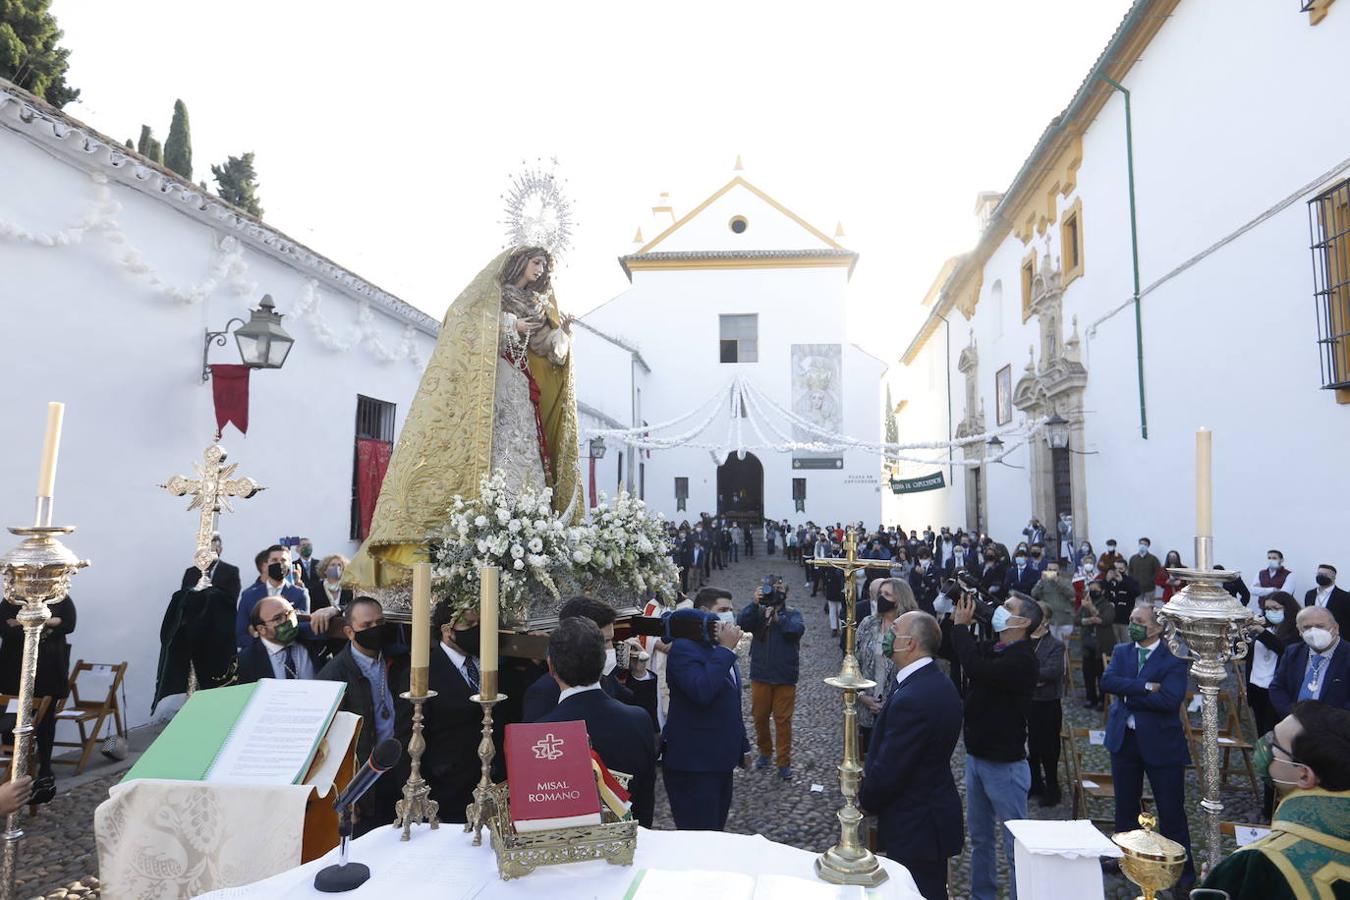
column 892, row 428
column 29, row 55
column 178, row 147
column 149, row 147
column 237, row 183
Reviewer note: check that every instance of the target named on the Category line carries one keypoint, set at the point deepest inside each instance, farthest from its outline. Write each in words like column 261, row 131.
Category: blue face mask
column 1275, row 616
column 1001, row 617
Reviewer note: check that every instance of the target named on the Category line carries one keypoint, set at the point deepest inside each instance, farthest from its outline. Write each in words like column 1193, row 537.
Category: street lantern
column 597, row 447
column 1057, row 432
column 263, row 343
column 995, row 444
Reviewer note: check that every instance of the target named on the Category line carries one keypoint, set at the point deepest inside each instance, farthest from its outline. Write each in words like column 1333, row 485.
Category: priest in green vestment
column 1306, row 856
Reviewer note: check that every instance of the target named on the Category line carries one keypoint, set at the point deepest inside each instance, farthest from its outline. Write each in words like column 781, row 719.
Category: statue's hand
column 567, row 324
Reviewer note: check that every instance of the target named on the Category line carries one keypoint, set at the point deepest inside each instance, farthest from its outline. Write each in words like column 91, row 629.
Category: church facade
column 1236, row 173
column 741, row 287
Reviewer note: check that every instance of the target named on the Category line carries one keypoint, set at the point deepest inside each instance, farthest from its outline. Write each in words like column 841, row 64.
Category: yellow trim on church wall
column 1070, row 269
column 1039, row 207
column 635, row 263
column 738, row 180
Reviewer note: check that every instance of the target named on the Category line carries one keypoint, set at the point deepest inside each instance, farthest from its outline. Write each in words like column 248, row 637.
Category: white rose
column 517, row 551
column 536, row 545
column 481, row 521
column 503, row 516
column 536, row 561
column 482, row 546
column 519, row 565
column 513, row 526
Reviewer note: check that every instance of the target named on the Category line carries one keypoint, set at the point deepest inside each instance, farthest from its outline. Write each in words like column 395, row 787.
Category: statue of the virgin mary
column 497, row 394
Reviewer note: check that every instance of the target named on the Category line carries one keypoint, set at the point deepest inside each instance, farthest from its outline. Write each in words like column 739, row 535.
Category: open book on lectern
column 262, row 733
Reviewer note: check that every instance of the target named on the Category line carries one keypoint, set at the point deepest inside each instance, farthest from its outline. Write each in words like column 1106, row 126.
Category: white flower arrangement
column 625, row 544
column 500, row 528
column 535, row 549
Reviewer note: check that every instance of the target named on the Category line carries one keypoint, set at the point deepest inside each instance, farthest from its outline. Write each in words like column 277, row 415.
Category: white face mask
column 611, row 660
column 1273, row 564
column 727, row 617
column 1318, row 639
column 1143, row 549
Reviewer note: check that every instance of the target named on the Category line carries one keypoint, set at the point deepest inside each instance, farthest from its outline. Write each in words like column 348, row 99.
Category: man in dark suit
column 308, row 575
column 704, row 738
column 542, row 695
column 993, row 574
column 452, row 724
column 1328, row 596
column 278, row 651
column 908, row 780
column 1021, row 576
column 621, row 734
column 1144, row 733
column 1316, row 668
column 925, row 579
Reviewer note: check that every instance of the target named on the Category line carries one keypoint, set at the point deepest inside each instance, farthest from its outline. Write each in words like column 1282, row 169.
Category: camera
column 769, row 595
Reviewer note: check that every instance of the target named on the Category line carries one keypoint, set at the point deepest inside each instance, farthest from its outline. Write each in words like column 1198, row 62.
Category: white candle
column 51, row 443
column 487, row 620
column 1204, row 485
column 421, row 615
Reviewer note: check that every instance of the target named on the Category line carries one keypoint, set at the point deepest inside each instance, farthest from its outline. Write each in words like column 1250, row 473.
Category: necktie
column 1143, row 657
column 289, row 663
column 1307, row 692
column 471, row 670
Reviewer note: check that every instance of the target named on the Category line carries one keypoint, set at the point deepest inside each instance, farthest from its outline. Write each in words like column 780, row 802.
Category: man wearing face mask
column 1316, row 668
column 1330, row 597
column 925, row 579
column 370, row 663
column 277, row 651
column 223, row 575
column 1307, row 758
column 1022, row 575
column 777, row 629
column 1143, row 568
column 271, row 582
column 1274, row 577
column 542, row 696
column 1107, row 561
column 1057, row 593
column 1000, row 679
column 704, row 737
column 908, row 780
column 1144, row 733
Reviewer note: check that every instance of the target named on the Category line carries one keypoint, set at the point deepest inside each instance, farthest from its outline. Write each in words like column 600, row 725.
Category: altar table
column 445, row 864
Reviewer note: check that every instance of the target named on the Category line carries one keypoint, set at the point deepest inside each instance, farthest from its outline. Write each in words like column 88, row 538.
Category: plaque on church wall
column 817, row 397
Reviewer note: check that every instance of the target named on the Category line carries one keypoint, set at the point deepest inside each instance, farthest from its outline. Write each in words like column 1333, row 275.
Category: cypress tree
column 238, row 183
column 178, row 147
column 29, row 55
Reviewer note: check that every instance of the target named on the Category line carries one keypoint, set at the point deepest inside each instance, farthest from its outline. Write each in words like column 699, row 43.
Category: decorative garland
column 227, row 268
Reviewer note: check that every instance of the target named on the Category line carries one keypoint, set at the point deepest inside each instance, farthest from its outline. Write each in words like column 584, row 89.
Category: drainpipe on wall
column 1134, row 253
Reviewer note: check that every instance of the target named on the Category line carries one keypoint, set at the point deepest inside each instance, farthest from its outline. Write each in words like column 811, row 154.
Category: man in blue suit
column 620, row 733
column 908, row 779
column 1144, row 733
column 1317, row 668
column 704, row 738
column 1022, row 575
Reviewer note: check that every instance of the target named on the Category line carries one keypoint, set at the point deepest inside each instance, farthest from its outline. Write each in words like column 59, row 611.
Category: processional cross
column 211, row 491
column 851, row 565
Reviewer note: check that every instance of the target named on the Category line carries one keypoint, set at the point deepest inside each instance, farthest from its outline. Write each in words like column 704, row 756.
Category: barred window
column 373, row 447
column 1329, row 216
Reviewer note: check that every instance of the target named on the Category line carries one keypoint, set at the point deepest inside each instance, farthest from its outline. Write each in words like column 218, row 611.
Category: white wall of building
column 1230, row 341
column 611, row 385
column 79, row 328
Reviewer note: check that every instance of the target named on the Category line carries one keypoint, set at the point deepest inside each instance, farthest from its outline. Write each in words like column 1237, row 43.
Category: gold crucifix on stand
column 849, row 862
column 211, row 491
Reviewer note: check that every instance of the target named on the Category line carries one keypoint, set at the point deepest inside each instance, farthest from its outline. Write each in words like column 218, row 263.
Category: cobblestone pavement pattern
column 58, row 848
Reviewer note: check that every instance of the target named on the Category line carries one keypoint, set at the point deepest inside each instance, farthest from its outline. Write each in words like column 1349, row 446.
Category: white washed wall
column 76, row 327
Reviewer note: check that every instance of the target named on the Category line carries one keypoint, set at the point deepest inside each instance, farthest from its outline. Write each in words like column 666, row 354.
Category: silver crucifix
column 211, row 491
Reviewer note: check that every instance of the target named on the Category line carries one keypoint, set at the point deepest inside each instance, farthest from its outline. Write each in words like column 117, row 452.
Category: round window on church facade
column 739, row 224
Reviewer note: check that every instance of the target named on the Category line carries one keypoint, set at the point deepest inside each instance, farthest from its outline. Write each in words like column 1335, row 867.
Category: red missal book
column 548, row 771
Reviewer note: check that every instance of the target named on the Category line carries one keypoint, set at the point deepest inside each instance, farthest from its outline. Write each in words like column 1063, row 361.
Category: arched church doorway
column 740, row 488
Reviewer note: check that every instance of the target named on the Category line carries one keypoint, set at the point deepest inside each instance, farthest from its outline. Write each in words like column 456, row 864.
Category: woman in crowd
column 1272, row 632
column 1095, row 617
column 874, row 664
column 1169, row 583
column 1045, row 714
column 52, row 681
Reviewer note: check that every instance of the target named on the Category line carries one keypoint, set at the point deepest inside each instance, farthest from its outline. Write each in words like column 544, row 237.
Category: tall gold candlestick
column 849, row 862
column 416, row 806
column 421, row 616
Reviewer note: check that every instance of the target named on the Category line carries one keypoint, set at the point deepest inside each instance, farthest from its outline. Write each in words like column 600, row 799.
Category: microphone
column 383, row 758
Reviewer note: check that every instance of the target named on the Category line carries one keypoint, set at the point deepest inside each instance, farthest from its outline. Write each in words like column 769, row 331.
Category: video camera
column 966, row 584
column 769, row 595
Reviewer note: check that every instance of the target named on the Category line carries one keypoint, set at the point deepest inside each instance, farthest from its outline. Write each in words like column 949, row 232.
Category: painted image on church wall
column 817, row 396
column 1003, row 395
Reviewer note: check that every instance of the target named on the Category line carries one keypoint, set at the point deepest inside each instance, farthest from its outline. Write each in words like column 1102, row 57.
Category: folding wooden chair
column 81, row 712
column 1231, row 739
column 1089, row 785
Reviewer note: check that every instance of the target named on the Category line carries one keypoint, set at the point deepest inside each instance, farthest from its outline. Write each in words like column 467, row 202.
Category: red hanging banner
column 372, row 461
column 229, row 387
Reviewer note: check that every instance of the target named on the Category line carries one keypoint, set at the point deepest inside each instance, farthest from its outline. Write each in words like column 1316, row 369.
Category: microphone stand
column 344, row 876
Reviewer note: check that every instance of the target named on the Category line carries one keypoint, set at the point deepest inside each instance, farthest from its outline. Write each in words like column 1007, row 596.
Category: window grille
column 374, row 421
column 1329, row 218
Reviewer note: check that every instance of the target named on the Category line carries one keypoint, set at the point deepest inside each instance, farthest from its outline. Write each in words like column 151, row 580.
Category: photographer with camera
column 777, row 630
column 1000, row 678
column 704, row 737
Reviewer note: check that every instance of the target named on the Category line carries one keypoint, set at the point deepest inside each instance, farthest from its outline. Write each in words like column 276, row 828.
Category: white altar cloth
column 445, row 864
column 1057, row 858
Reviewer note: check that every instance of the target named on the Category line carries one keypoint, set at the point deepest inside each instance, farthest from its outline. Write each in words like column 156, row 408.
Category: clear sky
column 385, row 133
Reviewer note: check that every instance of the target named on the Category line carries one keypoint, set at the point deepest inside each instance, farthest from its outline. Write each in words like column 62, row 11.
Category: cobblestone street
column 58, row 848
